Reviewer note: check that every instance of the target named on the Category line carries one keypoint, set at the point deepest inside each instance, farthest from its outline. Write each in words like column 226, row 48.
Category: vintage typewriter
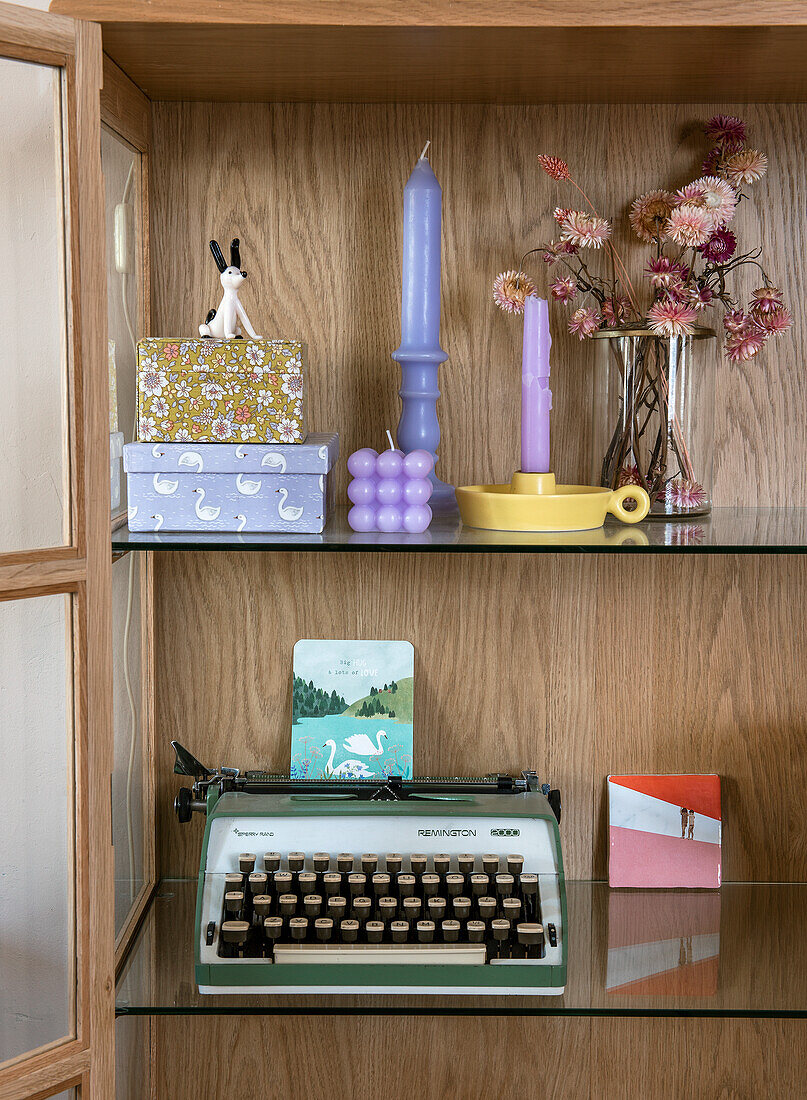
column 367, row 886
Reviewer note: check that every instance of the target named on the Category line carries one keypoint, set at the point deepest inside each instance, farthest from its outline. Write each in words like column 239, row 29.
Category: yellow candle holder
column 534, row 502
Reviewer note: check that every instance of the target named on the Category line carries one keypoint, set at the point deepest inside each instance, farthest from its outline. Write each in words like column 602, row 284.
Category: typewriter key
column 262, row 904
column 530, row 940
column 400, row 931
column 257, row 883
column 412, row 909
column 490, row 864
column 442, row 862
column 393, row 861
column 374, row 930
column 323, row 927
column 273, row 927
column 332, row 881
column 515, row 865
column 246, row 862
column 306, row 883
column 282, row 882
column 529, row 890
column 501, row 933
column 357, row 883
column 430, row 884
column 479, row 885
column 387, row 908
column 235, row 932
column 462, row 908
column 233, row 881
column 271, row 861
column 362, row 908
column 349, row 930
column 454, row 885
column 465, row 862
column 437, row 909
column 322, row 861
column 417, row 863
column 450, row 930
column 298, row 926
column 487, row 908
column 234, row 901
column 511, row 909
column 369, row 863
column 475, row 930
column 337, row 907
column 312, row 903
column 381, row 884
column 425, row 930
column 288, row 905
column 296, row 861
column 406, row 885
column 344, row 862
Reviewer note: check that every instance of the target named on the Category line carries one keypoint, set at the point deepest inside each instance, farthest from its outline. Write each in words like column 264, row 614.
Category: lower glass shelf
column 736, row 952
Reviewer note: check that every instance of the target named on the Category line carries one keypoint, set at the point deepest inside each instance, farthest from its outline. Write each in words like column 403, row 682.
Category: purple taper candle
column 536, row 396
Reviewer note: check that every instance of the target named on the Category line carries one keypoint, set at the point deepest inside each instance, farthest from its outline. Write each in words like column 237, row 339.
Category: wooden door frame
column 83, row 568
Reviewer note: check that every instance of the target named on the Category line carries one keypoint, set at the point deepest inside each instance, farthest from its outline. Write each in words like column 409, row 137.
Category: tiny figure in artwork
column 684, row 818
column 226, row 322
column 691, row 825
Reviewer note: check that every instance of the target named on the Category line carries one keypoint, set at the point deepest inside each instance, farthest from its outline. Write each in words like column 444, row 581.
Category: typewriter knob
column 182, row 804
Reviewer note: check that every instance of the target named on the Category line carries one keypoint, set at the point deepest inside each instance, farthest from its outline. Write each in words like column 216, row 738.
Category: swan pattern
column 361, row 744
column 353, row 769
column 230, row 486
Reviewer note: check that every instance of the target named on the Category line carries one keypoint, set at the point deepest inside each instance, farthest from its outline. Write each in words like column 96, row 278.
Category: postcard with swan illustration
column 352, row 709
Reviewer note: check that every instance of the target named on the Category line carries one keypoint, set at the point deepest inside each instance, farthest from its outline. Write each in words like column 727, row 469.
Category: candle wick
column 389, row 437
column 425, row 150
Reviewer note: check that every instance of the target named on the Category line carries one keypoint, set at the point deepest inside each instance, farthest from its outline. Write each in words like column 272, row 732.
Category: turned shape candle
column 536, row 397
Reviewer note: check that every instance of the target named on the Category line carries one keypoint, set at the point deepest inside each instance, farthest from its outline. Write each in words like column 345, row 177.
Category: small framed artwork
column 664, row 831
column 352, row 709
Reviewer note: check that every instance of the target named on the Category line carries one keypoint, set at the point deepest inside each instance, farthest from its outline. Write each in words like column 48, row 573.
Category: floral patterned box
column 231, row 486
column 216, row 391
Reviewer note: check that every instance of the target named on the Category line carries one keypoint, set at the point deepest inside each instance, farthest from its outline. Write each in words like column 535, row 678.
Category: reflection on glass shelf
column 734, row 952
column 754, row 530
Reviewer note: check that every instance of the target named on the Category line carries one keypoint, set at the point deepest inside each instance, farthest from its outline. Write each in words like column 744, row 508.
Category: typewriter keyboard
column 439, row 908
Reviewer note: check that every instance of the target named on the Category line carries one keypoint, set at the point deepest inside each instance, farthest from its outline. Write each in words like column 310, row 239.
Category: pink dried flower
column 560, row 213
column 510, row 289
column 711, row 162
column 629, row 475
column 553, row 166
column 726, row 130
column 616, row 310
column 549, row 256
column 700, row 297
column 671, row 318
column 712, row 194
column 735, row 321
column 776, row 321
column 584, row 322
column 566, row 248
column 663, row 273
column 689, row 225
column 746, row 166
column 585, row 230
column 720, row 247
column 564, row 289
column 683, row 494
column 745, row 344
column 765, row 299
column 649, row 213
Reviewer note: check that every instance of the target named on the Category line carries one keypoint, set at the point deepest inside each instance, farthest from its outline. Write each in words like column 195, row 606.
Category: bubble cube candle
column 390, row 491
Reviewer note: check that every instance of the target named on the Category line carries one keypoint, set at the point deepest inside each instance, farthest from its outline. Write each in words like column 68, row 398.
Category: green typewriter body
column 429, row 886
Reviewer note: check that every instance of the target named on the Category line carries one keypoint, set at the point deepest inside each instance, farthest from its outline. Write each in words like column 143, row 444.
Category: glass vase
column 654, row 416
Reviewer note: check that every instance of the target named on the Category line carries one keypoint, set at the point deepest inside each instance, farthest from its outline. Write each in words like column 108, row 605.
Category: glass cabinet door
column 56, row 915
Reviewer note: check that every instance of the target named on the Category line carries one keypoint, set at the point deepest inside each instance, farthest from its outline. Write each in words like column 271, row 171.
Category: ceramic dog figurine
column 225, row 322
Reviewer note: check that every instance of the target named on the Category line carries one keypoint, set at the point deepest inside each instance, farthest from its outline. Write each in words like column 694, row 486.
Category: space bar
column 388, row 953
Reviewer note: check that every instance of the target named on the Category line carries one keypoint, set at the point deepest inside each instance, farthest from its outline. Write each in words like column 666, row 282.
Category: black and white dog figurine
column 225, row 322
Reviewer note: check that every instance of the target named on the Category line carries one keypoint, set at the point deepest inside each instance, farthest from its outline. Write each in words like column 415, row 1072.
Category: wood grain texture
column 124, row 107
column 465, row 64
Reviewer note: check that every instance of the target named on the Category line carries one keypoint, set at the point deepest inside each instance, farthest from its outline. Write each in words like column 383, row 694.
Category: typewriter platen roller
column 429, row 885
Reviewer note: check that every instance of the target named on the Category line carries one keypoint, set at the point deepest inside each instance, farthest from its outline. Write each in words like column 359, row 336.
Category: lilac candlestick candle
column 420, row 353
column 536, row 397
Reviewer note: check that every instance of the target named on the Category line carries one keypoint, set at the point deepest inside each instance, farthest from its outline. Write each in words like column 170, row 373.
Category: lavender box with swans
column 352, row 714
column 231, row 486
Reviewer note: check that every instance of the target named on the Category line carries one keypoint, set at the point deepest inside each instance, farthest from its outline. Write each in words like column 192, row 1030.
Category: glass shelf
column 736, row 952
column 726, row 531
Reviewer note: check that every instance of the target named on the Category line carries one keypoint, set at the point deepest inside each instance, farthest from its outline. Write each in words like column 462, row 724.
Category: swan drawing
column 274, row 461
column 156, row 452
column 242, row 522
column 191, row 458
column 322, row 483
column 131, row 512
column 360, row 743
column 356, row 769
column 207, row 513
column 289, row 513
column 240, row 452
column 323, row 452
column 164, row 488
column 159, row 523
column 247, row 488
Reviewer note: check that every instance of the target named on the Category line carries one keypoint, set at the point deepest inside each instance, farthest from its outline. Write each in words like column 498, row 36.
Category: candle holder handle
column 419, row 428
